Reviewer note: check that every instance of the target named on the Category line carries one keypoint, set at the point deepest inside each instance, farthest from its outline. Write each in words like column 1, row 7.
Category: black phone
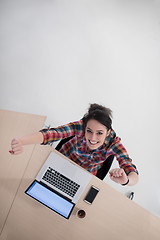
column 91, row 194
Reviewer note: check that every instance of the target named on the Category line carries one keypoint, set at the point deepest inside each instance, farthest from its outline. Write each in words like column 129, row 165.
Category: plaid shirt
column 76, row 149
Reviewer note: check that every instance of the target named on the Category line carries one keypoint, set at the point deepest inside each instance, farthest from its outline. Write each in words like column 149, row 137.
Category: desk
column 12, row 168
column 112, row 215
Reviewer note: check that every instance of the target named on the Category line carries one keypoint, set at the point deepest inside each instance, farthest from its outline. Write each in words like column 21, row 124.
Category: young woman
column 93, row 141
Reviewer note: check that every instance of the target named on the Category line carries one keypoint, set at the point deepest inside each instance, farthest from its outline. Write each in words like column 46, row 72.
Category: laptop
column 59, row 184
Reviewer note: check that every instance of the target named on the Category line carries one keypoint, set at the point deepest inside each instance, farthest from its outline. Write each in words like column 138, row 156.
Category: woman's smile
column 95, row 134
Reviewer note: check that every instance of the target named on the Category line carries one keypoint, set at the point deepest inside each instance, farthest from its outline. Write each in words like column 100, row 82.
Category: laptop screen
column 50, row 199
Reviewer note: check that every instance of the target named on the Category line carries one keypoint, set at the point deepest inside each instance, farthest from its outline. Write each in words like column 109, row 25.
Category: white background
column 57, row 56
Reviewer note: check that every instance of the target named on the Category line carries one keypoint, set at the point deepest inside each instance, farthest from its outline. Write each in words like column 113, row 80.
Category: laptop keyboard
column 61, row 182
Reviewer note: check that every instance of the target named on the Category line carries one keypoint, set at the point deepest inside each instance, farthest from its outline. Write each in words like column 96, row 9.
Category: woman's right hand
column 16, row 146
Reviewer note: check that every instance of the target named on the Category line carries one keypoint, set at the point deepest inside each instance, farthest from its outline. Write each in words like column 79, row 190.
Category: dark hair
column 100, row 114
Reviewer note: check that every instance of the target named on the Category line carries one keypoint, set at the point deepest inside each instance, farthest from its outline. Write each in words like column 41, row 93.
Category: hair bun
column 94, row 107
column 99, row 113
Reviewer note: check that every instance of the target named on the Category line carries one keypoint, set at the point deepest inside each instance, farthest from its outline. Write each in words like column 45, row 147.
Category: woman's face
column 95, row 134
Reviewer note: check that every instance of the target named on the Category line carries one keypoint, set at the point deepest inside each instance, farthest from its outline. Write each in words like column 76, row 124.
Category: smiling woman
column 93, row 141
column 97, row 125
column 95, row 134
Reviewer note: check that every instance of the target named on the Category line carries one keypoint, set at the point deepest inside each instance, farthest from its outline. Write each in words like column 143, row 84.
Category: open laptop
column 59, row 184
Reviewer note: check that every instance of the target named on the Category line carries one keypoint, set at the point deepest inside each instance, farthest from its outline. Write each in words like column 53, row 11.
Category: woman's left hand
column 118, row 175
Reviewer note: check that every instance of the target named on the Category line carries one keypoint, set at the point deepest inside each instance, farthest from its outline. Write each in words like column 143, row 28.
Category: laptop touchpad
column 69, row 170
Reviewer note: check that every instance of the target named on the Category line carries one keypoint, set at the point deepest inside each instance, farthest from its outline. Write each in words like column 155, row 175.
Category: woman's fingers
column 16, row 147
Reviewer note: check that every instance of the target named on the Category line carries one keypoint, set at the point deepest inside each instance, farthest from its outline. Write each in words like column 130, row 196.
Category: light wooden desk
column 112, row 216
column 12, row 168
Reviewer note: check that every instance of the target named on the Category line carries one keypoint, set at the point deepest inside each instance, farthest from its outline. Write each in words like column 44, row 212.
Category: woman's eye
column 99, row 133
column 89, row 131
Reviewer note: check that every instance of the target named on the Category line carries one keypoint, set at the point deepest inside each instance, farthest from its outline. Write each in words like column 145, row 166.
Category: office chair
column 102, row 172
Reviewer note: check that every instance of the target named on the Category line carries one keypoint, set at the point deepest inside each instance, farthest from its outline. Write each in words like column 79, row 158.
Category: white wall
column 59, row 56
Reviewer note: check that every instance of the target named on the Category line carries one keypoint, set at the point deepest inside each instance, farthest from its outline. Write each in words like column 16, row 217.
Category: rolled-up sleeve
column 122, row 157
column 61, row 132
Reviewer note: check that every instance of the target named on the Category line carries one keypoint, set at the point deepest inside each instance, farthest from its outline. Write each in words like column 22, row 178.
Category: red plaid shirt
column 76, row 149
